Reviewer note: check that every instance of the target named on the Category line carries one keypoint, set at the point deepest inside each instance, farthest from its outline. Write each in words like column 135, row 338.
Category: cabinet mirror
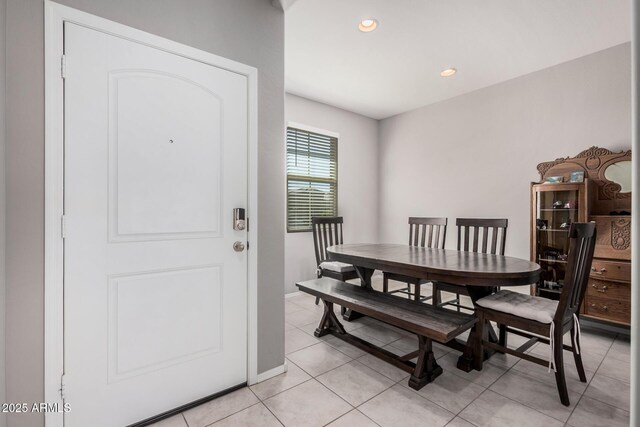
column 620, row 173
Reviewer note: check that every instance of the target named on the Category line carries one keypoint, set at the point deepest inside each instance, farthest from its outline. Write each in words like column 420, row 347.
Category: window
column 312, row 177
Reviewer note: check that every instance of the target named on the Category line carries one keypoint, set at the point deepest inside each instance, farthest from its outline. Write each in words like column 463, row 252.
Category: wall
column 635, row 225
column 248, row 31
column 475, row 155
column 357, row 181
column 3, row 27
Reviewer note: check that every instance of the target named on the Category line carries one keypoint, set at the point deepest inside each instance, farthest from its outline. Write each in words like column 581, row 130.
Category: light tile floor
column 330, row 382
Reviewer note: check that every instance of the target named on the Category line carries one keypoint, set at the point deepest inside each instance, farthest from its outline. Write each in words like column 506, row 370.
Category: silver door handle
column 238, row 246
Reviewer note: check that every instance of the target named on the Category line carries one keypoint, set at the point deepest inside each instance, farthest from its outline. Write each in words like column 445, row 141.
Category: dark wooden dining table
column 480, row 273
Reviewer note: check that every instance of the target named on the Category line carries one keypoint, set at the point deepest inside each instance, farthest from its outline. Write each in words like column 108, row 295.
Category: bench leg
column 427, row 369
column 328, row 322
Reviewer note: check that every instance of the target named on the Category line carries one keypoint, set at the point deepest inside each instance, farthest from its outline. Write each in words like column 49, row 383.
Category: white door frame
column 55, row 16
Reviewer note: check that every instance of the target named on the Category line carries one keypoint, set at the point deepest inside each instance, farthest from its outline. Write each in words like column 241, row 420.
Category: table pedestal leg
column 467, row 360
column 365, row 281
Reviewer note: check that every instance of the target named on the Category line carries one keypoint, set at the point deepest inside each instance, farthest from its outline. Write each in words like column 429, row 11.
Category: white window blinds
column 312, row 177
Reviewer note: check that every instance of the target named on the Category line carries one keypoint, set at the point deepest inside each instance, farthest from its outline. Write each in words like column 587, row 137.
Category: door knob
column 238, row 246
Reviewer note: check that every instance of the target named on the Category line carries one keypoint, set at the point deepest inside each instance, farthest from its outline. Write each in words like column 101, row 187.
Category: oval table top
column 446, row 265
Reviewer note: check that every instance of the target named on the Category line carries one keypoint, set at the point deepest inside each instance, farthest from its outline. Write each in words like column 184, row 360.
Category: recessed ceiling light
column 448, row 72
column 367, row 25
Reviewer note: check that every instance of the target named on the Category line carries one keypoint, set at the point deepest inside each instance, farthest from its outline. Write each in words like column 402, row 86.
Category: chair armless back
column 582, row 241
column 427, row 232
column 327, row 231
column 482, row 235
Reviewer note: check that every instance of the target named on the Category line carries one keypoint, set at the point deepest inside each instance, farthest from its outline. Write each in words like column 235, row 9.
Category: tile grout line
column 507, row 370
column 267, row 406
column 455, row 415
column 439, row 405
column 356, row 360
column 315, row 378
column 589, row 382
column 395, row 383
column 339, row 397
column 513, row 400
column 540, row 382
column 404, row 379
column 352, row 406
column 230, row 415
column 268, row 409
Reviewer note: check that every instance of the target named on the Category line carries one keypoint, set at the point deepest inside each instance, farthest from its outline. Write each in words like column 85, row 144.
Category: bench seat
column 427, row 322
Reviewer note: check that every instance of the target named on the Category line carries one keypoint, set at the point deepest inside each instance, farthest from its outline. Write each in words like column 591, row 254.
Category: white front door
column 155, row 296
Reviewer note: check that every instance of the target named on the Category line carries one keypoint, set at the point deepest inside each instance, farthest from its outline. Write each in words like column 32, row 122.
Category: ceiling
column 396, row 68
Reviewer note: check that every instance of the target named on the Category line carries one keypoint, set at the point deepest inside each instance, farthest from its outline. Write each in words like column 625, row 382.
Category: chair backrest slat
column 326, row 241
column 466, row 239
column 427, row 240
column 582, row 241
column 327, row 231
column 485, row 235
column 477, row 232
column 421, row 232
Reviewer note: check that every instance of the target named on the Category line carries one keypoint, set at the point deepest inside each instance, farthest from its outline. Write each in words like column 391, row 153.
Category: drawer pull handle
column 603, row 290
column 601, row 272
column 604, row 307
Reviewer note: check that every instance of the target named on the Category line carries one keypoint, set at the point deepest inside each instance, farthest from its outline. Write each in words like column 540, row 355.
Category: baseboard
column 271, row 373
column 294, row 294
column 604, row 326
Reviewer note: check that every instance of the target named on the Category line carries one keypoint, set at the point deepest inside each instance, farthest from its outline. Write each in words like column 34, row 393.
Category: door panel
column 155, row 296
column 141, row 344
column 154, row 128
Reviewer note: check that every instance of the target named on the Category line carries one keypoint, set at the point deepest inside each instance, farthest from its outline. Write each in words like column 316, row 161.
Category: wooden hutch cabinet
column 604, row 197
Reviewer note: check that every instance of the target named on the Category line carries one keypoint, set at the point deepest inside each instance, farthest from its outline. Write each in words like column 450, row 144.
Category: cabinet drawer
column 608, row 308
column 611, row 270
column 602, row 288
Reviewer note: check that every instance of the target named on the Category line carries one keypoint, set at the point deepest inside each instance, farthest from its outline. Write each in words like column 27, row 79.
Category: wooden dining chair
column 483, row 235
column 423, row 232
column 538, row 317
column 327, row 231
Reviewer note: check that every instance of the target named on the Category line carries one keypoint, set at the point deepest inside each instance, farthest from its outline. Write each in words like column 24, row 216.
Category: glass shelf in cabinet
column 558, row 261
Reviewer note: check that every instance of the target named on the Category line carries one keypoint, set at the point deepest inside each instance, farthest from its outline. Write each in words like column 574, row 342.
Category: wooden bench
column 427, row 322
